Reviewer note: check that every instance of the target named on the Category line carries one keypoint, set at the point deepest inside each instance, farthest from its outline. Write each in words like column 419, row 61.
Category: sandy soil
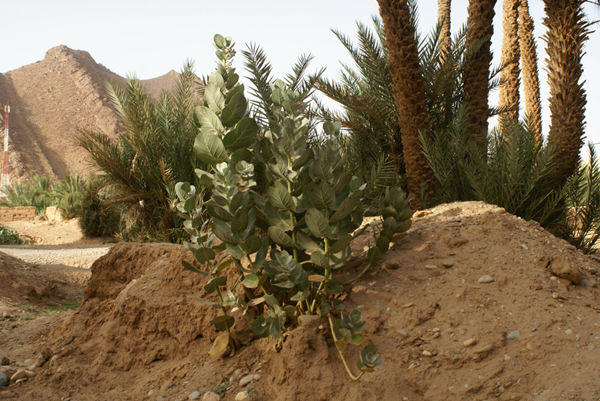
column 44, row 232
column 473, row 304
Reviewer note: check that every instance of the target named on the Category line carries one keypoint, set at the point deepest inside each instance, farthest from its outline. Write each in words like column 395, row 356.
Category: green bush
column 302, row 197
column 98, row 217
column 145, row 161
column 9, row 237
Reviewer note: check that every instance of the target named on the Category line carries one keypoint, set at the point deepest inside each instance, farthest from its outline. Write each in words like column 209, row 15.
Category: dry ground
column 473, row 304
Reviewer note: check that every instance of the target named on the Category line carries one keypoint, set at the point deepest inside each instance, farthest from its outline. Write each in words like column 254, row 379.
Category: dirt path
column 76, row 256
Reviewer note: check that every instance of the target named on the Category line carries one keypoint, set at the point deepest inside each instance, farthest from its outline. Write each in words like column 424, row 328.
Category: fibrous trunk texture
column 409, row 95
column 531, row 82
column 444, row 19
column 567, row 30
column 509, row 76
column 477, row 70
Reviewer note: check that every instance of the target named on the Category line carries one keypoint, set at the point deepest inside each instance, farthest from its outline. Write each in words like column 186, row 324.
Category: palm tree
column 509, row 75
column 529, row 65
column 444, row 19
column 409, row 94
column 477, row 71
column 567, row 31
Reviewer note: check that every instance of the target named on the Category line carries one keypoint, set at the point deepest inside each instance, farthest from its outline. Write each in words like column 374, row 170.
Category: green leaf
column 307, row 243
column 271, row 300
column 223, row 232
column 239, row 221
column 214, row 283
column 220, row 41
column 334, row 288
column 209, row 120
column 222, row 323
column 280, row 237
column 190, row 267
column 242, row 136
column 298, row 297
column 319, row 259
column 253, row 244
column 280, row 197
column 236, row 251
column 213, row 96
column 324, row 310
column 369, row 358
column 322, row 196
column 235, row 109
column 217, row 211
column 203, row 255
column 209, row 148
column 347, row 206
column 317, row 223
column 341, row 243
column 251, row 281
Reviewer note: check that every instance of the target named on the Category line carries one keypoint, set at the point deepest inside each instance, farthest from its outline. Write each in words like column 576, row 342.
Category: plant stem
column 335, row 341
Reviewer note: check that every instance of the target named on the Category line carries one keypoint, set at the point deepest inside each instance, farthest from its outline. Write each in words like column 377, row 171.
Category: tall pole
column 5, row 180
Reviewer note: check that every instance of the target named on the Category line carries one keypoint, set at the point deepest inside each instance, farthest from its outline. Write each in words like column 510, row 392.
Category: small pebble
column 568, row 332
column 208, row 396
column 447, row 263
column 513, row 335
column 486, row 279
column 3, row 380
column 484, row 349
column 426, row 353
column 403, row 333
column 194, row 395
column 244, row 381
column 242, row 396
column 591, row 347
column 506, row 357
column 470, row 342
column 431, row 267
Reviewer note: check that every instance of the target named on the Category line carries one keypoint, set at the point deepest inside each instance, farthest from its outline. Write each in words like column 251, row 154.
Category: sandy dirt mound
column 473, row 304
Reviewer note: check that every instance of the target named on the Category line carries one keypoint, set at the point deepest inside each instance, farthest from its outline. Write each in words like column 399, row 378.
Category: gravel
column 76, row 256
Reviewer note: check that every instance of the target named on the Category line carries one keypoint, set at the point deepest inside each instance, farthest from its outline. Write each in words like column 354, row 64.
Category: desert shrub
column 516, row 173
column 153, row 152
column 36, row 191
column 9, row 237
column 302, row 198
column 98, row 217
column 68, row 194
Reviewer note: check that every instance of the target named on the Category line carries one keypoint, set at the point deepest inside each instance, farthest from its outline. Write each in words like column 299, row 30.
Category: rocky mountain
column 50, row 100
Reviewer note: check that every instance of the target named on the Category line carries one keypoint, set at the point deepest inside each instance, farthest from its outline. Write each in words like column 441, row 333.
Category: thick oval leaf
column 251, row 281
column 307, row 243
column 213, row 283
column 317, row 223
column 220, row 344
column 235, row 109
column 223, row 232
column 217, row 211
column 280, row 197
column 253, row 244
column 209, row 148
column 222, row 323
column 347, row 206
column 341, row 243
column 203, row 255
column 242, row 136
column 280, row 237
column 319, row 259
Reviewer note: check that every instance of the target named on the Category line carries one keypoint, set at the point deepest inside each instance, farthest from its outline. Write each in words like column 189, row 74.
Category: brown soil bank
column 469, row 306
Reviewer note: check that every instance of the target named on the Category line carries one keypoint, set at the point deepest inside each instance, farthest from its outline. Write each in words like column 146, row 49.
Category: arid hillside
column 50, row 100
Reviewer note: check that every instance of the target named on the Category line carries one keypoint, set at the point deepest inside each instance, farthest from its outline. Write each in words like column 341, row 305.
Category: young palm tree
column 529, row 65
column 409, row 94
column 444, row 19
column 509, row 75
column 477, row 72
column 567, row 31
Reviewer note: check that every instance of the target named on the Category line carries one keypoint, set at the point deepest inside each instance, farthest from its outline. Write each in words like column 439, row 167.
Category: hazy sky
column 150, row 37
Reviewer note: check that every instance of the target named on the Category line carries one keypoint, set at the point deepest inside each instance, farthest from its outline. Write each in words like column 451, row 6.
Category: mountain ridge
column 50, row 100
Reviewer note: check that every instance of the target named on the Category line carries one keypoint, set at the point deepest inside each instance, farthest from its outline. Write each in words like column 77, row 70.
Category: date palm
column 529, row 65
column 409, row 94
column 444, row 19
column 567, row 31
column 477, row 71
column 509, row 75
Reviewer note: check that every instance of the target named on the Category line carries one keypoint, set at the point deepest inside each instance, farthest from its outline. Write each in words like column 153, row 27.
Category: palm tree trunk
column 509, row 76
column 529, row 64
column 409, row 95
column 477, row 71
column 566, row 34
column 444, row 19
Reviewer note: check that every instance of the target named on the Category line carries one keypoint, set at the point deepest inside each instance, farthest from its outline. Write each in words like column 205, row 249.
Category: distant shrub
column 97, row 217
column 9, row 237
